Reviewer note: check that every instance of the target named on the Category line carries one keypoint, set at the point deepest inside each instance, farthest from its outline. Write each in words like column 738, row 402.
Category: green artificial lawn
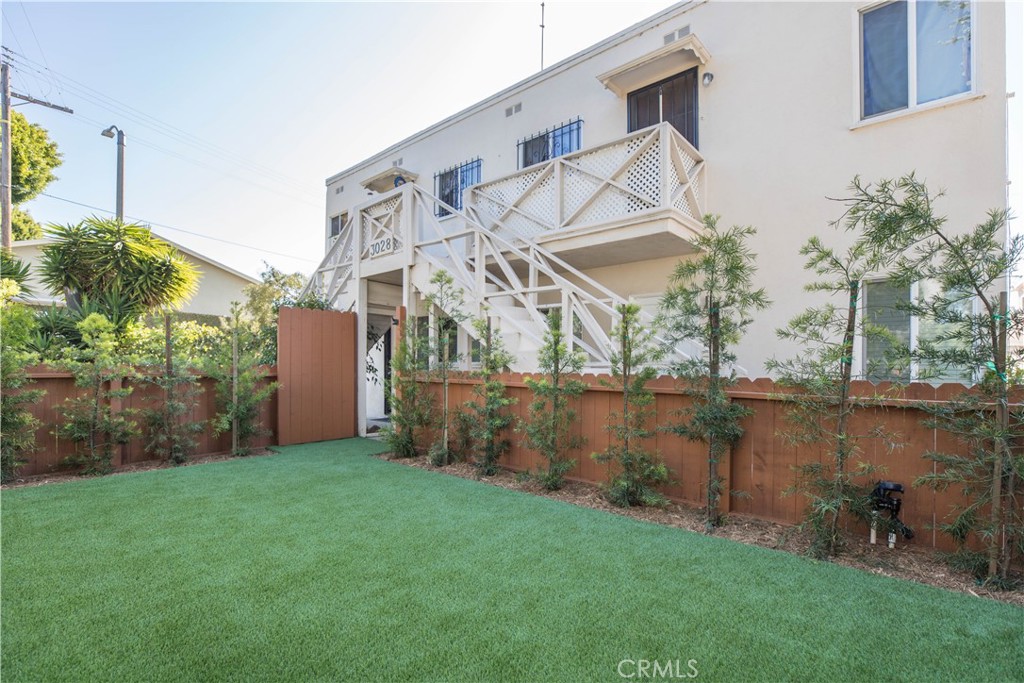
column 323, row 563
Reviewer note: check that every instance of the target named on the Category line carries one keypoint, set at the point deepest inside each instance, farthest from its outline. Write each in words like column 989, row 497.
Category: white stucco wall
column 779, row 130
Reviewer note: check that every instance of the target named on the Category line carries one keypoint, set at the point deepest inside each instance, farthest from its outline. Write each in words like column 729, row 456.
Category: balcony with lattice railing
column 635, row 198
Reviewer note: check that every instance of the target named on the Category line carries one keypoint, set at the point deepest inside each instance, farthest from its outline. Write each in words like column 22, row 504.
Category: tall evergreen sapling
column 490, row 412
column 171, row 435
column 413, row 407
column 709, row 300
column 638, row 470
column 820, row 407
column 448, row 302
column 967, row 307
column 89, row 419
column 549, row 430
column 241, row 385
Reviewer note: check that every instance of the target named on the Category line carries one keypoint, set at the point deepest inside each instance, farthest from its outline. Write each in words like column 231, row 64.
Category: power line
column 122, row 109
column 187, row 232
column 41, row 53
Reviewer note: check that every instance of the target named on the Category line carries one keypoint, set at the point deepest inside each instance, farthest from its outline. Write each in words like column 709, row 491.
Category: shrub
column 17, row 424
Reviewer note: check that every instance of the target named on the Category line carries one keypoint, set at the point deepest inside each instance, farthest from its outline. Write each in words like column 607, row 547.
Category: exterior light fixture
column 708, row 77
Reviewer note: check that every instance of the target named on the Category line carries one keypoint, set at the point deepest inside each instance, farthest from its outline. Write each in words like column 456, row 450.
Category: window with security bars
column 450, row 183
column 551, row 143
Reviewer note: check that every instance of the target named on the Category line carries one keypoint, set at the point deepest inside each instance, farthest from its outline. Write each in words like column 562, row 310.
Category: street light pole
column 109, row 133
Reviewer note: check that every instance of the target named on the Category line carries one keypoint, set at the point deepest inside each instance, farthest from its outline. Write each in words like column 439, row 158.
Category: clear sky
column 236, row 113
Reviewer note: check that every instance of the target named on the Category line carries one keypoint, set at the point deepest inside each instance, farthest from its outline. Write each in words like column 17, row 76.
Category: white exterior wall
column 779, row 130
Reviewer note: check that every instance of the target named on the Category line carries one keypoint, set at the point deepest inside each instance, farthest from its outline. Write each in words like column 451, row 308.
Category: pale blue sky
column 235, row 113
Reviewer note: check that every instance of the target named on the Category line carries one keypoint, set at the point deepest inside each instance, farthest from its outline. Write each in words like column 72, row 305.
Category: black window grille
column 449, row 184
column 551, row 143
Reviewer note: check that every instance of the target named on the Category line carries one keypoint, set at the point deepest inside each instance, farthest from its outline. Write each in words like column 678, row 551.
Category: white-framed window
column 337, row 224
column 913, row 52
column 885, row 305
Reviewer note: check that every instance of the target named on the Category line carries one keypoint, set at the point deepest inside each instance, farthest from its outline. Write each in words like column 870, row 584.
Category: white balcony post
column 665, row 141
column 567, row 320
column 559, row 192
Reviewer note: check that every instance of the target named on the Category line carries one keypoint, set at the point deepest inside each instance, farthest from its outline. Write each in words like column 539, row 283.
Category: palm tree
column 116, row 265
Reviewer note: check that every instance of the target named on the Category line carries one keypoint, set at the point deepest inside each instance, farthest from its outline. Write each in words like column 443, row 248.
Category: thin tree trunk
column 169, row 373
column 714, row 349
column 997, row 549
column 842, row 424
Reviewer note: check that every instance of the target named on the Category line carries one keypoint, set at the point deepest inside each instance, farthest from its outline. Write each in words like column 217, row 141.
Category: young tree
column 820, row 406
column 171, row 435
column 121, row 267
column 709, row 300
column 241, row 384
column 448, row 302
column 413, row 407
column 968, row 272
column 263, row 301
column 490, row 413
column 549, row 431
column 639, row 470
column 90, row 420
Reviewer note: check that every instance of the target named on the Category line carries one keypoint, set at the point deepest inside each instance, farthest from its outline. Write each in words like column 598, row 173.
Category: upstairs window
column 914, row 52
column 551, row 143
column 449, row 184
column 337, row 223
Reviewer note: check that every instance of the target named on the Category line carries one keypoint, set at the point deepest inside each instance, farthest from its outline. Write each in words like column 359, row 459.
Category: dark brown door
column 673, row 99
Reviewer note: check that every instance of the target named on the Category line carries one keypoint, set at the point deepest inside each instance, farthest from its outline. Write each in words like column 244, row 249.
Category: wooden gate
column 316, row 366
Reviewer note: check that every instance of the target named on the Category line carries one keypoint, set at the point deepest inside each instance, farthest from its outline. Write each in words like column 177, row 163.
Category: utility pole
column 6, row 207
column 5, row 171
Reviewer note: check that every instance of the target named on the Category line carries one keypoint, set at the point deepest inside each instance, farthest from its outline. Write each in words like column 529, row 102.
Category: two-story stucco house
column 582, row 186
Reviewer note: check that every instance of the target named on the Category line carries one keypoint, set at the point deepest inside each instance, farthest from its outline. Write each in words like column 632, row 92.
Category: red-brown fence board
column 762, row 462
column 316, row 369
column 60, row 386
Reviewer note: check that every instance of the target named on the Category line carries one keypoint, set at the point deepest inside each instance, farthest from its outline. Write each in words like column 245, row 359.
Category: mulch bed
column 145, row 466
column 912, row 563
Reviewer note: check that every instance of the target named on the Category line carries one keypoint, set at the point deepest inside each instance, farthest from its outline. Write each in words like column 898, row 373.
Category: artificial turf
column 323, row 563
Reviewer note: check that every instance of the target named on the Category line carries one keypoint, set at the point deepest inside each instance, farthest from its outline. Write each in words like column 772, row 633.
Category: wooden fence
column 316, row 361
column 761, row 464
column 60, row 385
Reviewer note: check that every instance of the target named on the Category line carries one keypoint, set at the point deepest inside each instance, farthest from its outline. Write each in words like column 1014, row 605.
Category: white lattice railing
column 647, row 171
column 488, row 247
column 332, row 277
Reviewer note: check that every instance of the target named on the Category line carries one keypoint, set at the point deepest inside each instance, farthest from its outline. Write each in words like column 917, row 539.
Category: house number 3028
column 382, row 246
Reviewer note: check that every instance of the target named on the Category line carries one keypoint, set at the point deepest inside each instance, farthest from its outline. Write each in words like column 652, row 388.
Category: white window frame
column 912, row 106
column 342, row 218
column 860, row 347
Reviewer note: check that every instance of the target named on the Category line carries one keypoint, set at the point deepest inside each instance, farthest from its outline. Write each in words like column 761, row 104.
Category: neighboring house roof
column 219, row 284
